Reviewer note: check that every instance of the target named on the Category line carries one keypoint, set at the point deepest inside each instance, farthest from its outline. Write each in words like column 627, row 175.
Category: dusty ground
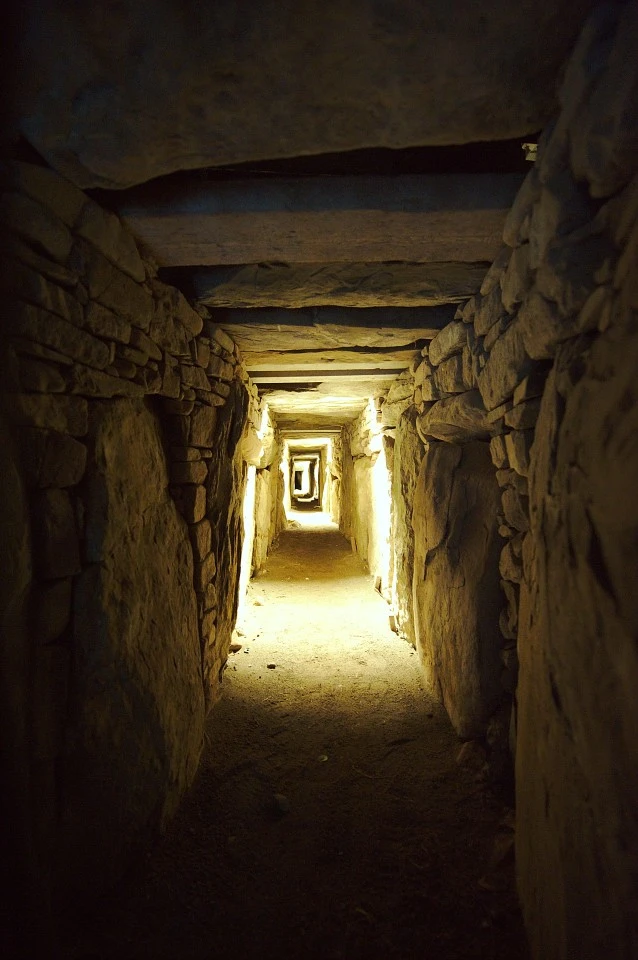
column 329, row 818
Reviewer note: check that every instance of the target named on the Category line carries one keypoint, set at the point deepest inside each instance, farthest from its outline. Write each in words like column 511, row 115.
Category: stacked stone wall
column 126, row 407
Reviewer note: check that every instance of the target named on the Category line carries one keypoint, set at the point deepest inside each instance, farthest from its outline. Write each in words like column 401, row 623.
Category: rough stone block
column 507, row 364
column 194, row 471
column 524, row 415
column 515, row 509
column 140, row 341
column 566, row 275
column 40, row 377
column 457, row 419
column 521, row 208
column 449, row 375
column 20, row 280
column 55, row 532
column 220, row 368
column 171, row 381
column 105, row 323
column 106, row 232
column 116, row 290
column 194, row 376
column 498, row 451
column 204, row 571
column 489, row 311
column 456, row 554
column 46, row 186
column 51, row 412
column 219, row 336
column 510, row 563
column 517, row 279
column 127, row 352
column 98, row 383
column 542, row 327
column 51, row 459
column 32, row 323
column 202, row 426
column 493, row 276
column 496, row 331
column 29, row 219
column 532, row 386
column 191, row 501
column 16, row 248
column 201, row 539
column 451, row 339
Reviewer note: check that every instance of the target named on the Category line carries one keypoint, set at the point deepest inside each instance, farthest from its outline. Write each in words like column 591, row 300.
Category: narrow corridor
column 329, row 818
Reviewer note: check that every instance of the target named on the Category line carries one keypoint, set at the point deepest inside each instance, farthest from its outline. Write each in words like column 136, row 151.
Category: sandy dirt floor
column 329, row 819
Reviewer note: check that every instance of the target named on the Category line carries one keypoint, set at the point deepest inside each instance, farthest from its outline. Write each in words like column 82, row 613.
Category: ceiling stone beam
column 331, row 327
column 336, row 284
column 281, row 377
column 329, row 359
column 422, row 219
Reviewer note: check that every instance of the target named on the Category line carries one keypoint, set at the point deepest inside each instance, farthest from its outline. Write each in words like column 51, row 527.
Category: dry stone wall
column 127, row 407
column 365, row 490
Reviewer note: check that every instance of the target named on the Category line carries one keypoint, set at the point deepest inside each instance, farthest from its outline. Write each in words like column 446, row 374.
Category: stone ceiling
column 330, row 277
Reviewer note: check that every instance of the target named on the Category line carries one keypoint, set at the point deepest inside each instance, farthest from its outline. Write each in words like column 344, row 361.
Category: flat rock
column 105, row 105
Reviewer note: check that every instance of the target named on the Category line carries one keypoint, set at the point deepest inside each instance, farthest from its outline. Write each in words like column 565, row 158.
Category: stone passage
column 329, row 818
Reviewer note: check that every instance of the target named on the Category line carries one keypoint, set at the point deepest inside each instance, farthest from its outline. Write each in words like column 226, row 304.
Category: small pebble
column 271, row 666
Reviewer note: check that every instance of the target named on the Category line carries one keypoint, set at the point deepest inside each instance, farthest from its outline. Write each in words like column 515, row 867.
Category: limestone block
column 202, row 349
column 510, row 478
column 449, row 375
column 48, row 188
column 204, row 571
column 220, row 368
column 202, row 426
column 498, row 451
column 150, row 380
column 104, row 323
column 496, row 331
column 450, row 340
column 212, row 399
column 457, row 598
column 456, row 419
column 138, row 702
column 517, row 278
column 562, row 207
column 531, row 386
column 567, row 275
column 489, row 311
column 219, row 336
column 51, row 609
column 30, row 220
column 51, row 459
column 430, row 390
column 193, row 471
column 109, row 235
column 194, row 376
column 16, row 248
column 116, row 290
column 32, row 323
column 98, row 383
column 542, row 326
column 51, row 412
column 521, row 208
column 55, row 530
column 171, row 381
column 523, row 416
column 40, row 377
column 408, row 453
column 602, row 133
column 507, row 364
column 142, row 342
column 493, row 276
column 200, row 534
column 20, row 280
column 510, row 564
column 221, row 389
column 578, row 660
column 191, row 501
column 515, row 509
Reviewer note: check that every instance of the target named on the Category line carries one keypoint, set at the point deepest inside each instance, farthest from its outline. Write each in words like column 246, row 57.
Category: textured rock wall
column 457, row 597
column 558, row 313
column 408, row 453
column 127, row 407
column 365, row 492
